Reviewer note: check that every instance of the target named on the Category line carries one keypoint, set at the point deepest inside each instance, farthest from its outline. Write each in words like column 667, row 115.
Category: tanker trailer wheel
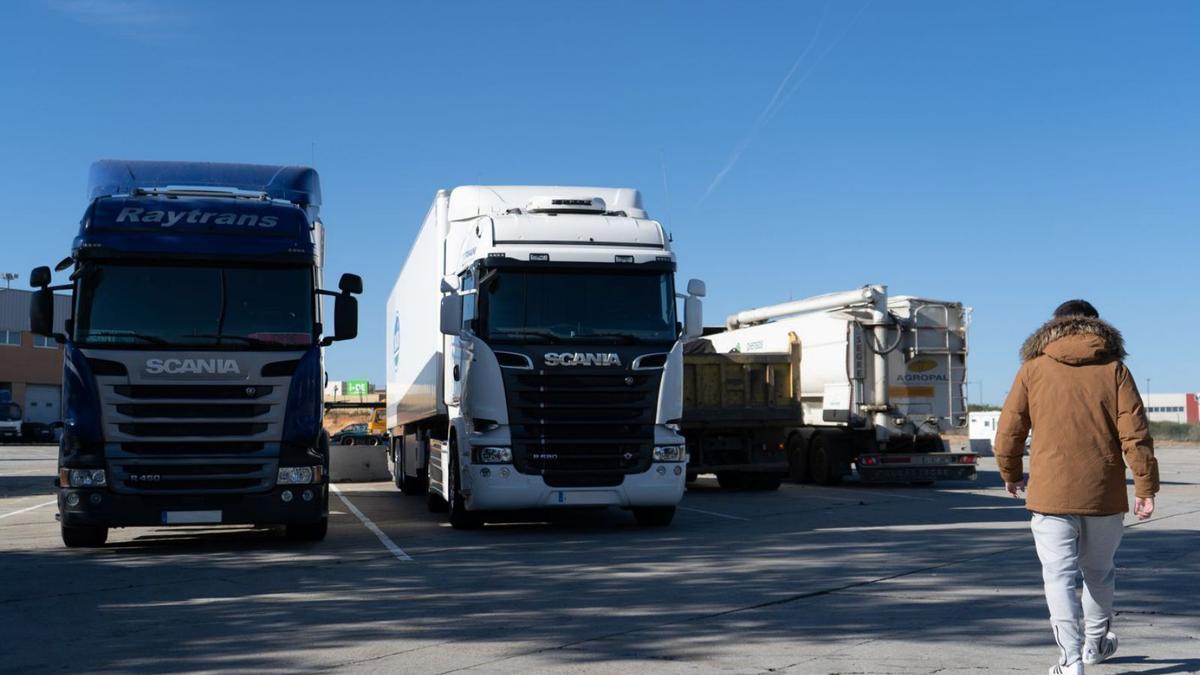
column 797, row 456
column 460, row 517
column 821, row 467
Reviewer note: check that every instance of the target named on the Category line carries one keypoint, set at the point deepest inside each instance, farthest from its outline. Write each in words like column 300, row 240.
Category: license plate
column 190, row 517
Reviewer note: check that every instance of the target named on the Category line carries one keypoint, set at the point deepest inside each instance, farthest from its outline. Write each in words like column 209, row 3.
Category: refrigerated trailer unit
column 193, row 371
column 881, row 379
column 533, row 355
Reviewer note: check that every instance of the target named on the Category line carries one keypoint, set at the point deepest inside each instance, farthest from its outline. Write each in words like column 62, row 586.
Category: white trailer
column 533, row 355
column 881, row 378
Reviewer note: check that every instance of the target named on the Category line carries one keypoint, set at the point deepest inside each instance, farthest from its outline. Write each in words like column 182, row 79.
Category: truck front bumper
column 99, row 506
column 662, row 485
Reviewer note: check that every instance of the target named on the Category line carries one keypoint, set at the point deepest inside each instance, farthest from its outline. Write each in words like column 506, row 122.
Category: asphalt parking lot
column 847, row 579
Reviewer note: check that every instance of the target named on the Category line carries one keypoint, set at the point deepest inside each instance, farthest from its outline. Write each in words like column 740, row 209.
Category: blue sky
column 1008, row 155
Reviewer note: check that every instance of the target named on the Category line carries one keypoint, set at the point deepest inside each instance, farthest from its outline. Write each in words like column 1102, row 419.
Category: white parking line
column 383, row 538
column 711, row 513
column 28, row 508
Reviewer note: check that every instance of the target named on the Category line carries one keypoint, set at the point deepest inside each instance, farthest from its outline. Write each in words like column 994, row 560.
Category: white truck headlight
column 670, row 453
column 83, row 478
column 495, row 455
column 299, row 475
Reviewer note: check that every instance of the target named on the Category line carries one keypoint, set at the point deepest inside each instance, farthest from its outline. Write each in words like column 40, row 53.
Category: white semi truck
column 881, row 378
column 534, row 357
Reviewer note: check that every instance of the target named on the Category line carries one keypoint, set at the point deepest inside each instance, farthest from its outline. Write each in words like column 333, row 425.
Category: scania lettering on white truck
column 534, row 356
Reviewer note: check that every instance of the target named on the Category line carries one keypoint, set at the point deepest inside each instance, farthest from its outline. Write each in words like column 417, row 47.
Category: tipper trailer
column 193, row 367
column 534, row 359
column 881, row 379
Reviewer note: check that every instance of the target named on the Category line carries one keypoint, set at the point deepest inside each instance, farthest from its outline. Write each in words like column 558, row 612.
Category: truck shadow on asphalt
column 793, row 584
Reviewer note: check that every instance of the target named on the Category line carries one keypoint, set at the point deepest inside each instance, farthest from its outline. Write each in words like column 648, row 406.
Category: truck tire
column 460, row 517
column 732, row 480
column 84, row 536
column 307, row 531
column 654, row 516
column 765, row 482
column 411, row 486
column 821, row 467
column 797, row 456
column 347, row 440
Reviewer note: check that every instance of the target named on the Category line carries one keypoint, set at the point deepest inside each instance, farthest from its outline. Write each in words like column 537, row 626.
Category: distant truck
column 881, row 379
column 534, row 359
column 193, row 378
column 10, row 421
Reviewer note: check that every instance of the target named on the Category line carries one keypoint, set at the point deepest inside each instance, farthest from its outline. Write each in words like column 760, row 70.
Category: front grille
column 193, row 391
column 192, row 411
column 192, row 429
column 582, row 426
column 138, row 476
column 184, row 448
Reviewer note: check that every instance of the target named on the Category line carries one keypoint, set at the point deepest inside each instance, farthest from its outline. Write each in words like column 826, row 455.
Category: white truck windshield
column 575, row 306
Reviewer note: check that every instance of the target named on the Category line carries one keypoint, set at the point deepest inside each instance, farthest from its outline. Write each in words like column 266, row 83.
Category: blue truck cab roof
column 200, row 210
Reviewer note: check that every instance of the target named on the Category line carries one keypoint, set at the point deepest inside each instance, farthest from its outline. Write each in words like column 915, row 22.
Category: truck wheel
column 346, row 440
column 797, row 459
column 654, row 516
column 820, row 463
column 84, row 536
column 413, row 486
column 307, row 531
column 460, row 517
column 765, row 482
column 731, row 480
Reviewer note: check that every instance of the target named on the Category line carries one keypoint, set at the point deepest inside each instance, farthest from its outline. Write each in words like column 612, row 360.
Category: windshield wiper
column 527, row 333
column 152, row 339
column 258, row 342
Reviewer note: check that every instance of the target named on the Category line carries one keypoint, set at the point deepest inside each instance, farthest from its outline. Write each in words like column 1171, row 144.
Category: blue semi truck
column 193, row 372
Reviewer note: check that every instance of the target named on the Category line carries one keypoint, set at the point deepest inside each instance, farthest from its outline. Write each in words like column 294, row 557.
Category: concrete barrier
column 358, row 463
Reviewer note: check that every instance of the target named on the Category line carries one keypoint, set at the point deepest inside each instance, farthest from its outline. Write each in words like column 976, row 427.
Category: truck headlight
column 299, row 475
column 82, row 478
column 495, row 455
column 670, row 453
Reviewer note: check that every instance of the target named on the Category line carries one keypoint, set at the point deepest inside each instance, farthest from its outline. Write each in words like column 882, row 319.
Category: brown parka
column 1075, row 393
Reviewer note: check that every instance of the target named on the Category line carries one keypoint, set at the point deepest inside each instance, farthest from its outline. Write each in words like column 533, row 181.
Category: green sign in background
column 355, row 388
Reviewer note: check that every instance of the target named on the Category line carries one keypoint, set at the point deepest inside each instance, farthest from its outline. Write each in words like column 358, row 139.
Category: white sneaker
column 1095, row 652
column 1073, row 669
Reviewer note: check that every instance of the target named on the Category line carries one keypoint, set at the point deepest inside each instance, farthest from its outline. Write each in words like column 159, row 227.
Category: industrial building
column 1181, row 408
column 31, row 366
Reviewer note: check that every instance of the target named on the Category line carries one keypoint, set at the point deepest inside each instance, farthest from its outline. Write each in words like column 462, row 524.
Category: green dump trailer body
column 739, row 411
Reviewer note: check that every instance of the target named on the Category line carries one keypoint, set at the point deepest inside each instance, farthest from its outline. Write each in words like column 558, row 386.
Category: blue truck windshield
column 572, row 306
column 194, row 307
column 9, row 412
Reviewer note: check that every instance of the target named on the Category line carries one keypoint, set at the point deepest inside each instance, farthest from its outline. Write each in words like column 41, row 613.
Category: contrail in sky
column 783, row 92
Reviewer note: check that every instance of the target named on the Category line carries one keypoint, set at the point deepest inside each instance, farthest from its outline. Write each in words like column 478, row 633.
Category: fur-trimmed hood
column 1075, row 340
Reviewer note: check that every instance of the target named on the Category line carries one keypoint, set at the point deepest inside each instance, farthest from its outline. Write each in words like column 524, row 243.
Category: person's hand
column 1015, row 489
column 1143, row 507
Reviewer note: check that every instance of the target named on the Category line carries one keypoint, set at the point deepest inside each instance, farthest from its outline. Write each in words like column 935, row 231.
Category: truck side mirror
column 41, row 311
column 350, row 283
column 345, row 315
column 697, row 288
column 452, row 309
column 693, row 317
column 40, row 277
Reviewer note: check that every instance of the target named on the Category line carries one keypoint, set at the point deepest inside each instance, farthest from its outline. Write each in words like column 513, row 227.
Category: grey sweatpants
column 1068, row 545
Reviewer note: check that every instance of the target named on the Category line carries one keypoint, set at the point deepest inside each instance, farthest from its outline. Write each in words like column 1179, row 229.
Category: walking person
column 1075, row 393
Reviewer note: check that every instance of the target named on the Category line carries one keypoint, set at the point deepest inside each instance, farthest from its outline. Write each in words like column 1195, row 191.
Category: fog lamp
column 670, row 453
column 495, row 455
